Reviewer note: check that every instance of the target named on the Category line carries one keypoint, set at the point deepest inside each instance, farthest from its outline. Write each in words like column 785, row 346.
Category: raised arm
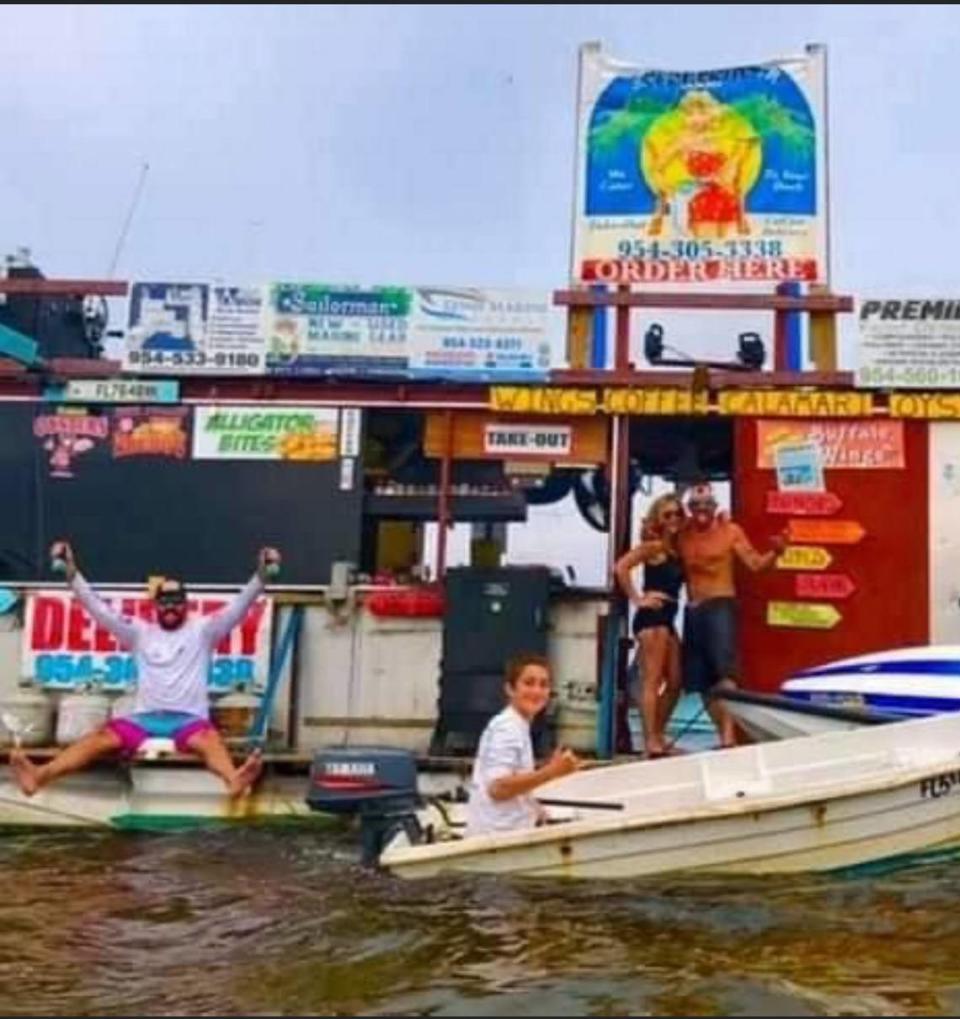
column 749, row 556
column 519, row 783
column 506, row 780
column 124, row 629
column 217, row 626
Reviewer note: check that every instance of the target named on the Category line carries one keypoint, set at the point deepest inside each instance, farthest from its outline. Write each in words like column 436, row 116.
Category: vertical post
column 579, row 343
column 787, row 326
column 598, row 349
column 779, row 337
column 443, row 496
column 618, row 470
column 587, row 51
column 823, row 336
column 819, row 50
column 617, row 543
column 622, row 353
column 823, row 325
column 295, row 691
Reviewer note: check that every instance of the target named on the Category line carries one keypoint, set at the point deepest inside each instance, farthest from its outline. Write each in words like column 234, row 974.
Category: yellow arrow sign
column 807, row 615
column 804, row 557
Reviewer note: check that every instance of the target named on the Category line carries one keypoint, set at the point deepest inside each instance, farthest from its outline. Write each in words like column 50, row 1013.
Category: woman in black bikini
column 658, row 648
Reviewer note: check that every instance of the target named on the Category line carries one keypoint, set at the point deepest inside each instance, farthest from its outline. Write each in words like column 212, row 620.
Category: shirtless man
column 708, row 546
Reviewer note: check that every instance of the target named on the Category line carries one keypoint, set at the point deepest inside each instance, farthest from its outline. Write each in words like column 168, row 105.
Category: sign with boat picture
column 701, row 176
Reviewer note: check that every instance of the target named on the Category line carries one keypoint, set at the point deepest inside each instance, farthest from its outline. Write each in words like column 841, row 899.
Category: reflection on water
column 281, row 922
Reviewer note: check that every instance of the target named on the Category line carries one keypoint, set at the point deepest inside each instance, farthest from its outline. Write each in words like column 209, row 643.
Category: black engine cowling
column 376, row 784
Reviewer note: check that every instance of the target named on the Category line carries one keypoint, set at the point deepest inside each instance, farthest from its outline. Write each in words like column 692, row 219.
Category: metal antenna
column 121, row 240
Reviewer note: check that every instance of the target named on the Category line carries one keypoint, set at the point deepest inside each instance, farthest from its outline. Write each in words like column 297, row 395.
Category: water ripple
column 266, row 922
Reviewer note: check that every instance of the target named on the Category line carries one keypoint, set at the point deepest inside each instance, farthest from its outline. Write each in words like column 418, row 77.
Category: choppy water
column 286, row 922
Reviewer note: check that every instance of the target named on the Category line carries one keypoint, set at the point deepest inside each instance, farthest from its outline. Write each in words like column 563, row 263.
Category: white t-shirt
column 505, row 748
column 171, row 664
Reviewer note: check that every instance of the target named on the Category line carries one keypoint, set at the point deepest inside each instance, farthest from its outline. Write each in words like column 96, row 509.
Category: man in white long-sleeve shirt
column 172, row 657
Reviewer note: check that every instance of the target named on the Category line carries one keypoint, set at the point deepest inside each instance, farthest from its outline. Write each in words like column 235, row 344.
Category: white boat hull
column 769, row 717
column 833, row 801
column 911, row 682
column 146, row 798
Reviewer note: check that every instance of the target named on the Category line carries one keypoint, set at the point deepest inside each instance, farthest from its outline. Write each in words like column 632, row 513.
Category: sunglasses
column 171, row 599
column 698, row 504
column 670, row 515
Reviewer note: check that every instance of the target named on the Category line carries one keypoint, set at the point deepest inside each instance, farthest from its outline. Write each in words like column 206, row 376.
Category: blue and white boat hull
column 910, row 682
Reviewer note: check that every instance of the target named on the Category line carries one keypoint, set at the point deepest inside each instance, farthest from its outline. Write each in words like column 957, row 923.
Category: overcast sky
column 427, row 145
column 424, row 144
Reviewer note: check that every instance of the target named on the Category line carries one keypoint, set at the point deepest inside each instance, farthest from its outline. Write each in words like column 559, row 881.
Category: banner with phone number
column 701, row 176
column 63, row 647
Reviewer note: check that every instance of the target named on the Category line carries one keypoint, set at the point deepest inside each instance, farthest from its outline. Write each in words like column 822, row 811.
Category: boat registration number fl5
column 939, row 785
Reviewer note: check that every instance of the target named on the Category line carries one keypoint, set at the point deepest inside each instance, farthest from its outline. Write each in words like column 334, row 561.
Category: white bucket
column 234, row 714
column 80, row 714
column 123, row 705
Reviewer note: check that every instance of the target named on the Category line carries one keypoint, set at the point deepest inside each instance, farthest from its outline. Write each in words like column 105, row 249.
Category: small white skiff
column 819, row 803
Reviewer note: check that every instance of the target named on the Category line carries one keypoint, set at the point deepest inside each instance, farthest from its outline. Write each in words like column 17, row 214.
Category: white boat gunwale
column 733, row 806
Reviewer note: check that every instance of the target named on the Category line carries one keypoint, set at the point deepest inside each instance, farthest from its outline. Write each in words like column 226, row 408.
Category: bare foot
column 25, row 772
column 654, row 747
column 246, row 774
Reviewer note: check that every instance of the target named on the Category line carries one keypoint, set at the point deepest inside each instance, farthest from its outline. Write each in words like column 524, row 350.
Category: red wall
column 890, row 607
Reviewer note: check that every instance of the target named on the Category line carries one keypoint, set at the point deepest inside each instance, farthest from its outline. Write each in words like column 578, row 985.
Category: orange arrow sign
column 804, row 504
column 826, row 532
column 824, row 585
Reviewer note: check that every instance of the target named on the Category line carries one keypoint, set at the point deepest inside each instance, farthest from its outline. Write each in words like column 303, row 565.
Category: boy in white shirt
column 504, row 774
column 172, row 656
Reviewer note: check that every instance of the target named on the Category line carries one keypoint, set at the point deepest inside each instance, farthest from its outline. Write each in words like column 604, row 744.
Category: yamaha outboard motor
column 377, row 784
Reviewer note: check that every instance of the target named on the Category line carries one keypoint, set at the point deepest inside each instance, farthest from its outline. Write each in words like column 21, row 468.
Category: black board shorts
column 709, row 644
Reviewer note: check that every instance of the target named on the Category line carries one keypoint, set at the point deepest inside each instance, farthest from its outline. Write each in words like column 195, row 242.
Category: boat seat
column 155, row 747
column 728, row 777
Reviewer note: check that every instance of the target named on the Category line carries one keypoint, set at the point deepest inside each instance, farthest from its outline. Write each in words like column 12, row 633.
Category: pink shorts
column 176, row 725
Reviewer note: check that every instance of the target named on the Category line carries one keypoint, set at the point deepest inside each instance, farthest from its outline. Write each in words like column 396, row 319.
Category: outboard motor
column 376, row 784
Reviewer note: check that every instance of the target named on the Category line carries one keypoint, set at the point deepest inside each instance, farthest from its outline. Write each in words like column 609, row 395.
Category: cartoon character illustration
column 701, row 159
column 696, row 155
column 62, row 450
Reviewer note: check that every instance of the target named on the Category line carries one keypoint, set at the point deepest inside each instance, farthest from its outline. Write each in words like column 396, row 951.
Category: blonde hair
column 650, row 529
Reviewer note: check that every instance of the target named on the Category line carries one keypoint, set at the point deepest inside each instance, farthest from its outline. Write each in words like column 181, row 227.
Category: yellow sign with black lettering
column 655, row 401
column 795, row 403
column 543, row 400
column 804, row 557
column 931, row 406
column 803, row 615
column 674, row 400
